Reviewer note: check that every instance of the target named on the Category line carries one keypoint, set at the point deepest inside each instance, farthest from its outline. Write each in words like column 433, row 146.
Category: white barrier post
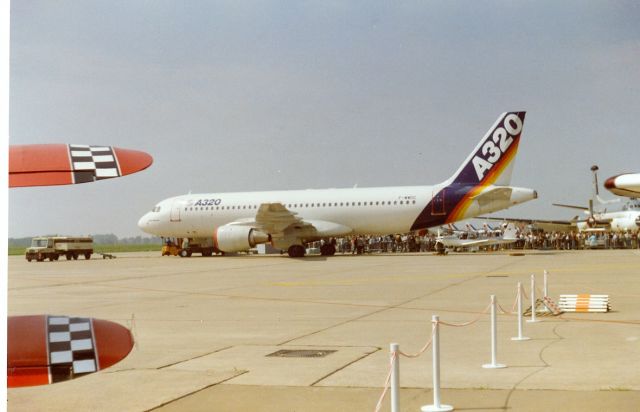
column 395, row 377
column 494, row 337
column 546, row 289
column 519, row 300
column 533, row 300
column 437, row 406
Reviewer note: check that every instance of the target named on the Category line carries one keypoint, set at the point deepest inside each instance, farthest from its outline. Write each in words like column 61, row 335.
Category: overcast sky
column 243, row 96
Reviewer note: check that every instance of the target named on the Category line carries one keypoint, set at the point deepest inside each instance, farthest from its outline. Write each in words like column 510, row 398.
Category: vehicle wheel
column 52, row 258
column 184, row 253
column 75, row 256
column 207, row 253
column 87, row 256
column 296, row 251
column 68, row 256
column 189, row 253
column 57, row 257
column 40, row 258
column 28, row 259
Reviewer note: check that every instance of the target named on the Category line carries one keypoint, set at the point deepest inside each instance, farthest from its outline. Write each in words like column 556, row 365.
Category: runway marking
column 396, row 306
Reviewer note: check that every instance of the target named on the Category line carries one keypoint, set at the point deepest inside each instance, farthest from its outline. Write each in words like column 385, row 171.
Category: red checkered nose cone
column 45, row 349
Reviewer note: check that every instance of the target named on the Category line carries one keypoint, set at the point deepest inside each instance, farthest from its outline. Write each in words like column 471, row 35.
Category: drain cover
column 303, row 353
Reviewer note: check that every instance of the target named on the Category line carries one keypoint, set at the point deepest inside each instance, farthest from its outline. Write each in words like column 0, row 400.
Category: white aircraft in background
column 627, row 185
column 627, row 219
column 509, row 235
column 232, row 222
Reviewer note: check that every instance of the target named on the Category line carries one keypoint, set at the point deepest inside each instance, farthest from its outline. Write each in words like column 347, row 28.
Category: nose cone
column 143, row 223
column 132, row 161
column 610, row 183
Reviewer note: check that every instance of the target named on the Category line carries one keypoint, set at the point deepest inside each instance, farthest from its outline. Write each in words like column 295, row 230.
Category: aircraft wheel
column 296, row 251
column 327, row 250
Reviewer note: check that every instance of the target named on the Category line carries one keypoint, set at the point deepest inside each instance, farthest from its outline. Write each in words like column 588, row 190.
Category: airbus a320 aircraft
column 232, row 222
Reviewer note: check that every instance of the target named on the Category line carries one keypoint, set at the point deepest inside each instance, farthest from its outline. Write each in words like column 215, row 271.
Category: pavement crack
column 344, row 366
column 396, row 306
column 196, row 391
column 539, row 369
column 194, row 357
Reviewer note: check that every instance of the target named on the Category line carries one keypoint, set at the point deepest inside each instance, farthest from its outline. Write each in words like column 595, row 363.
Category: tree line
column 99, row 239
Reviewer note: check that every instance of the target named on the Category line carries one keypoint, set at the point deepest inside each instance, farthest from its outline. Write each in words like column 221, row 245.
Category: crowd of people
column 527, row 240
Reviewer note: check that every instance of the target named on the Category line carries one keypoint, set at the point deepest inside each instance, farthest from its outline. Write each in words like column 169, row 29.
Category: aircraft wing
column 529, row 221
column 478, row 242
column 571, row 206
column 65, row 164
column 275, row 218
column 45, row 349
column 546, row 225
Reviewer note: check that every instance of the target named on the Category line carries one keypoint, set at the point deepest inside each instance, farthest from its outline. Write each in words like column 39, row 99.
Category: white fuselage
column 380, row 210
column 377, row 210
column 621, row 221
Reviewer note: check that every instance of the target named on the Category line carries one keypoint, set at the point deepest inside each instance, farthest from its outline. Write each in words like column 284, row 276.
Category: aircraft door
column 437, row 203
column 175, row 211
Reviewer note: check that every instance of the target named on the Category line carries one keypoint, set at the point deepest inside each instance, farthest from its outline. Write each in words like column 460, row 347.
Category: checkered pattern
column 92, row 163
column 71, row 347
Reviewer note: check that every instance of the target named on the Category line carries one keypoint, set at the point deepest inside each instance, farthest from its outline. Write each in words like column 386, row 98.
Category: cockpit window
column 156, row 209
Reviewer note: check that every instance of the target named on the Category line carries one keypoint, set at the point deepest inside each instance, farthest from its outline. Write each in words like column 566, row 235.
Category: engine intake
column 236, row 238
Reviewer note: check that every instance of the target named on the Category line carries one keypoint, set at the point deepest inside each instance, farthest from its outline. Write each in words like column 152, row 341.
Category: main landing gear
column 327, row 250
column 296, row 251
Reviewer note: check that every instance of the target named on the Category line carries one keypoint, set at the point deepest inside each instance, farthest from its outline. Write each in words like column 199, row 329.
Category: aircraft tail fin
column 491, row 162
column 510, row 232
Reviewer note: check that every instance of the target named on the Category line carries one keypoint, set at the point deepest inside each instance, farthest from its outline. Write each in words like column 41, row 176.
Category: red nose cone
column 132, row 161
column 65, row 164
column 44, row 349
column 610, row 183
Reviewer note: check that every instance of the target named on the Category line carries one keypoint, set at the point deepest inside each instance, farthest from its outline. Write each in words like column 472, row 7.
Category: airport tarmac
column 204, row 328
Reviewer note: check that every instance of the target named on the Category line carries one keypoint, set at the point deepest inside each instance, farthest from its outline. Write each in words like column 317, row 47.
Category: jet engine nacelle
column 235, row 238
